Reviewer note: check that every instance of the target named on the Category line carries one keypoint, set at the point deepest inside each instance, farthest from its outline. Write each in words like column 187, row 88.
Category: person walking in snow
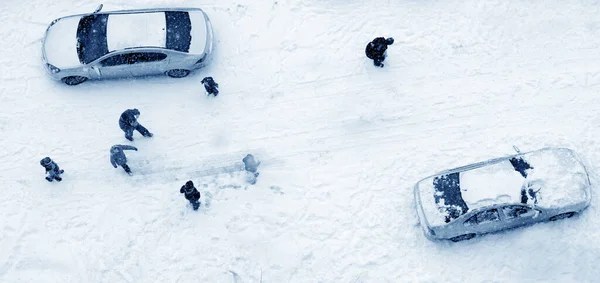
column 118, row 158
column 191, row 193
column 128, row 123
column 52, row 169
column 376, row 50
column 210, row 85
column 251, row 167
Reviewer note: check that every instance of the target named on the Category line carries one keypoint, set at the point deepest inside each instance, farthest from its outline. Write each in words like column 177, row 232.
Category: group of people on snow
column 128, row 122
column 375, row 50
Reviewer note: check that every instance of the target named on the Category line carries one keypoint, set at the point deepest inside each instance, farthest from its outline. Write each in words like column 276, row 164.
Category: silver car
column 502, row 193
column 128, row 43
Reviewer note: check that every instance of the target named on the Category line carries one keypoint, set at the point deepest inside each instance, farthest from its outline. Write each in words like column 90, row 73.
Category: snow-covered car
column 127, row 43
column 543, row 185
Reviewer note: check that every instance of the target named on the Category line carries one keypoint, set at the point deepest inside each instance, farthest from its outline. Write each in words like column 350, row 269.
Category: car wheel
column 562, row 216
column 178, row 73
column 74, row 80
column 462, row 237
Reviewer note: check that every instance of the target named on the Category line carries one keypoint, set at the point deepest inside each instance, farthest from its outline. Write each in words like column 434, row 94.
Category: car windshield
column 91, row 37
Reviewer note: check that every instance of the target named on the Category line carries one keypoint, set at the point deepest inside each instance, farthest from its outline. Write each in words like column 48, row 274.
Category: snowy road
column 343, row 143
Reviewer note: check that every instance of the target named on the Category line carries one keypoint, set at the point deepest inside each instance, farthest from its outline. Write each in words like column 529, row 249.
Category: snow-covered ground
column 342, row 144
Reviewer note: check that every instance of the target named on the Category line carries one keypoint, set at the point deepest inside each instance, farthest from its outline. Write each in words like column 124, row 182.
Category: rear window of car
column 179, row 27
column 91, row 37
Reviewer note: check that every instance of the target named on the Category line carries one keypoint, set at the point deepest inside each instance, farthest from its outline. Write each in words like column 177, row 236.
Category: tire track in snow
column 414, row 120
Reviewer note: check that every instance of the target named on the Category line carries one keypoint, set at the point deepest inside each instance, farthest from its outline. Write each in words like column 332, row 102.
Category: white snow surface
column 496, row 183
column 342, row 143
column 137, row 29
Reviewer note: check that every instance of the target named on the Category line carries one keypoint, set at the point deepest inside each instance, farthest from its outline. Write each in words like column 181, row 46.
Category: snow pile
column 560, row 175
column 496, row 183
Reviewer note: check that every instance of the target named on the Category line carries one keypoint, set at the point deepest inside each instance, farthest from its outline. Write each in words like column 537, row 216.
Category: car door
column 518, row 215
column 114, row 66
column 148, row 63
column 485, row 221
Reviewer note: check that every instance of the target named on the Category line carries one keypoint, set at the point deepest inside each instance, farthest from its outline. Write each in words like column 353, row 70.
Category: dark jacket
column 128, row 119
column 52, row 166
column 210, row 82
column 117, row 156
column 190, row 192
column 376, row 48
column 210, row 85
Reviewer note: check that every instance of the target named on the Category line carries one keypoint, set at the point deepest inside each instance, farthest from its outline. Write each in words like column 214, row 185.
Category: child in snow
column 251, row 167
column 376, row 50
column 191, row 193
column 52, row 169
column 118, row 158
column 210, row 85
column 128, row 123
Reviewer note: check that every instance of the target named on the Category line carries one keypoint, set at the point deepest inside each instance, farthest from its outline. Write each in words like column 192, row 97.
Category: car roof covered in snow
column 81, row 39
column 557, row 176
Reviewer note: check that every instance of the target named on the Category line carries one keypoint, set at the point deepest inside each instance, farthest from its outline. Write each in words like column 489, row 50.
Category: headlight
column 53, row 69
column 201, row 60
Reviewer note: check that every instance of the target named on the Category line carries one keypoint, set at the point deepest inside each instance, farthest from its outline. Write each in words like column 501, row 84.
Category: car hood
column 59, row 47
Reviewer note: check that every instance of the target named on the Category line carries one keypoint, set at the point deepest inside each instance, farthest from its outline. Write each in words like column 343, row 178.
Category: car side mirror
column 98, row 9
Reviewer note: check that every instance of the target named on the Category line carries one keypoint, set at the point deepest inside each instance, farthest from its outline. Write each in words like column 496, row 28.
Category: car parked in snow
column 127, row 43
column 543, row 185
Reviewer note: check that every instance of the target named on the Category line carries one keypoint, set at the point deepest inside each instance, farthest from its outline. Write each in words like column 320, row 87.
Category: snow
column 464, row 81
column 497, row 183
column 563, row 177
column 134, row 30
column 61, row 43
